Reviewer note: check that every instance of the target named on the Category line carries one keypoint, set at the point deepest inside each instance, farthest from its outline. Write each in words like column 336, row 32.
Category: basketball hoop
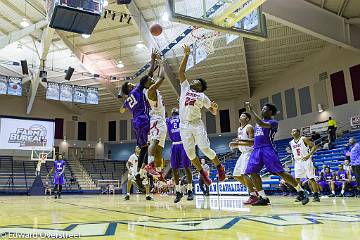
column 204, row 38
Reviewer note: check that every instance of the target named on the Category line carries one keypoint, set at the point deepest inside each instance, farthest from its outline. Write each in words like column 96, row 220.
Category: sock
column 262, row 194
column 253, row 194
column 151, row 159
column 299, row 188
column 189, row 187
column 333, row 192
column 128, row 194
column 177, row 188
column 342, row 192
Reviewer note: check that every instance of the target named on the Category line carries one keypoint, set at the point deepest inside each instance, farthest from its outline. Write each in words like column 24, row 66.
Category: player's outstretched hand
column 186, row 49
column 155, row 55
column 248, row 105
column 214, row 106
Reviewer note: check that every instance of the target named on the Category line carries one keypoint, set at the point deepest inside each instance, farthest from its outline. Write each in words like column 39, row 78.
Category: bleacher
column 17, row 176
column 100, row 169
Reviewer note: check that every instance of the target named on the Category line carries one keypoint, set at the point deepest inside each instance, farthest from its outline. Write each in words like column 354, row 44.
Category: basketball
column 14, row 86
column 156, row 29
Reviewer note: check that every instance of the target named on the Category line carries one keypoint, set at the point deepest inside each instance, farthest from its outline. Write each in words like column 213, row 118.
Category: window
column 82, row 131
column 224, row 120
column 112, row 131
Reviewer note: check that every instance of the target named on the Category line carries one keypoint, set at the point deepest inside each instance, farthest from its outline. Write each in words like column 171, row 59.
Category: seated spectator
column 348, row 147
column 341, row 180
column 323, row 168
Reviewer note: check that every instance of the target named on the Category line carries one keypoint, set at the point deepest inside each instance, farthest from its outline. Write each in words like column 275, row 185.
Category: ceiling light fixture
column 106, row 3
column 85, row 36
column 120, row 64
column 140, row 44
column 25, row 23
column 165, row 17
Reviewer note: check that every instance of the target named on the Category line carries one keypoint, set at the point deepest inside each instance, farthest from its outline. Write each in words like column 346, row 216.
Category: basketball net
column 204, row 39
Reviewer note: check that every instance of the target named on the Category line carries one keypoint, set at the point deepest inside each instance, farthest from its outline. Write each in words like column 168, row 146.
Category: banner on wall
column 53, row 91
column 92, row 96
column 79, row 94
column 26, row 134
column 66, row 93
column 3, row 84
column 225, row 188
column 355, row 122
column 14, row 86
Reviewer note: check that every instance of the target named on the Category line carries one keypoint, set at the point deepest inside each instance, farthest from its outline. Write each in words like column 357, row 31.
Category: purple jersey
column 342, row 174
column 59, row 165
column 264, row 137
column 173, row 125
column 327, row 176
column 136, row 102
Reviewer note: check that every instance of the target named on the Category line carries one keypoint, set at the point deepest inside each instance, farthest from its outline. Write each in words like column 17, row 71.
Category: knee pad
column 208, row 153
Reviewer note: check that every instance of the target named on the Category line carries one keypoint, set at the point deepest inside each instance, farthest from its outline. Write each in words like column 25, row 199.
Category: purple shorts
column 353, row 184
column 324, row 185
column 59, row 179
column 141, row 126
column 264, row 156
column 179, row 159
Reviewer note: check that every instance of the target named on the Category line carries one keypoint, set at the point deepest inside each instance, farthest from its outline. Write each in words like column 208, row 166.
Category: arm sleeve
column 185, row 85
column 207, row 102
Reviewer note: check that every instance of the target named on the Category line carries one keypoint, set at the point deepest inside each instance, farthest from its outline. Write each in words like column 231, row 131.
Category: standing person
column 332, row 129
column 203, row 186
column 303, row 149
column 179, row 159
column 131, row 166
column 137, row 104
column 192, row 129
column 59, row 176
column 351, row 143
column 265, row 154
column 244, row 142
column 355, row 165
column 158, row 129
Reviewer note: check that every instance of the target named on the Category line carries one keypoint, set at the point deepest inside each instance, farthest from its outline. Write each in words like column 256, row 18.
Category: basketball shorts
column 242, row 163
column 304, row 169
column 264, row 156
column 192, row 134
column 158, row 131
column 141, row 127
column 179, row 159
column 324, row 185
column 131, row 175
column 59, row 179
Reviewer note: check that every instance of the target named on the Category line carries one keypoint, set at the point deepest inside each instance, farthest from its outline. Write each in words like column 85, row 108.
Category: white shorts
column 241, row 163
column 158, row 131
column 192, row 134
column 304, row 169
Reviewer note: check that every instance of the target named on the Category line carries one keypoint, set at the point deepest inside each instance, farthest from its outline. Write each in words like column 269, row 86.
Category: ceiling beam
column 43, row 52
column 150, row 39
column 19, row 34
column 318, row 22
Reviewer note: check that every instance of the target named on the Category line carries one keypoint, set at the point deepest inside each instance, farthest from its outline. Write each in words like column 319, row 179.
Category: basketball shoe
column 150, row 168
column 252, row 199
column 178, row 197
column 205, row 177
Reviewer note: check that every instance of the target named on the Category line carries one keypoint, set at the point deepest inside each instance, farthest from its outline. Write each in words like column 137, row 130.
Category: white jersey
column 242, row 134
column 191, row 103
column 157, row 107
column 133, row 159
column 299, row 148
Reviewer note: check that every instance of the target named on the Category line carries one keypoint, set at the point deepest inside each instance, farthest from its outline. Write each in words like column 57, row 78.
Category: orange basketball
column 156, row 29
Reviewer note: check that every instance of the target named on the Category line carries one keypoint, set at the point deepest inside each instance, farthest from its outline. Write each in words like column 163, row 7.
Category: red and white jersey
column 157, row 107
column 299, row 148
column 243, row 135
column 191, row 103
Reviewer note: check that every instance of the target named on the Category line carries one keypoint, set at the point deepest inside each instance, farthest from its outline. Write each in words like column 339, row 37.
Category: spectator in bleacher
column 348, row 147
column 355, row 162
column 72, row 180
column 315, row 137
column 323, row 168
column 332, row 129
column 342, row 180
column 204, row 188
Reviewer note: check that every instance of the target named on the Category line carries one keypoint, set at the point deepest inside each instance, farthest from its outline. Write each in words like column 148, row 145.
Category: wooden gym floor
column 110, row 217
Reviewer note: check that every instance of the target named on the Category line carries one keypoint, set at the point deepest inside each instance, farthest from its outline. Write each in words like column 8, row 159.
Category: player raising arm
column 192, row 129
